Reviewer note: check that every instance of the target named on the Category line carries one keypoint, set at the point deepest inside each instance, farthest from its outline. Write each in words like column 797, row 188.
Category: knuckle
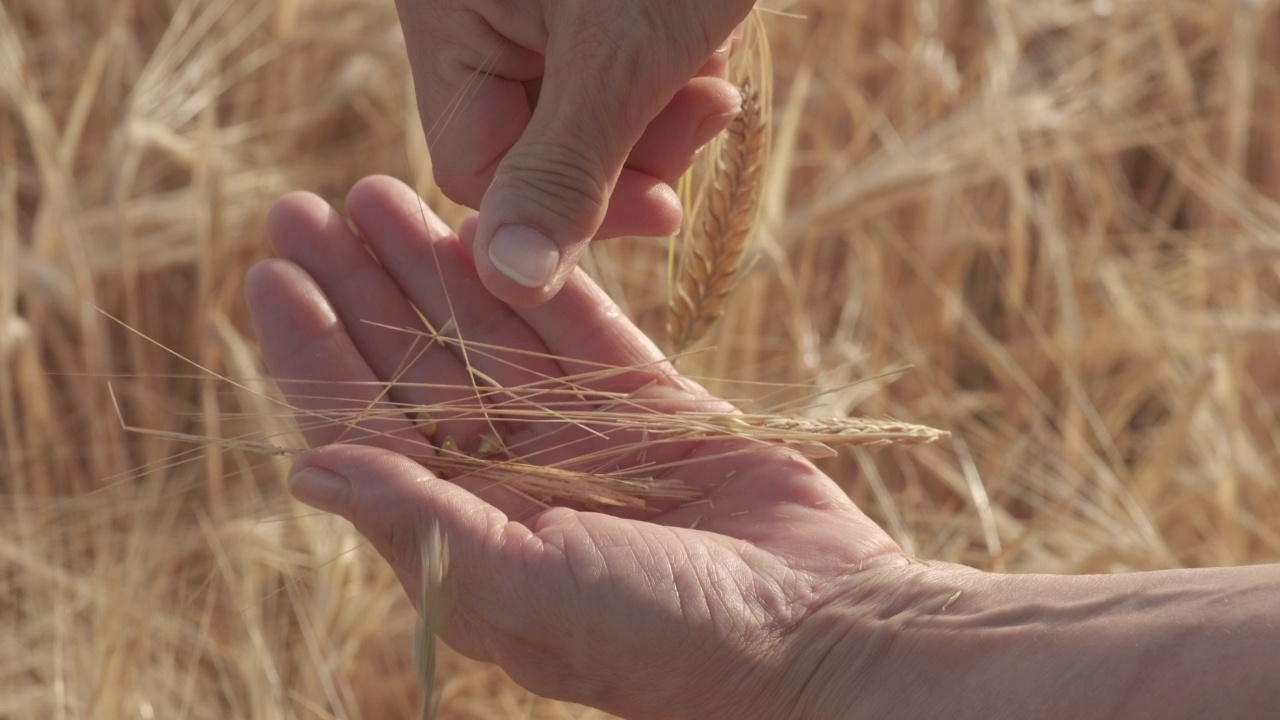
column 568, row 188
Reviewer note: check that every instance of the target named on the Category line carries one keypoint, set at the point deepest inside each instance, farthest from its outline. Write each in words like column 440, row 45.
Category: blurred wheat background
column 1062, row 214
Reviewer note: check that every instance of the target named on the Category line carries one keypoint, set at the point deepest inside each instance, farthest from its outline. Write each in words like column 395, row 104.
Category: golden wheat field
column 1049, row 227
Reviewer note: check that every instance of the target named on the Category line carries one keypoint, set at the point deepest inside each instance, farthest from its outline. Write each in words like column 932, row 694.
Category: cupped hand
column 563, row 121
column 708, row 609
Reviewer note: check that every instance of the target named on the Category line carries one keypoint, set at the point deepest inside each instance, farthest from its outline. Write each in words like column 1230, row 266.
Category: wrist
column 920, row 640
column 847, row 647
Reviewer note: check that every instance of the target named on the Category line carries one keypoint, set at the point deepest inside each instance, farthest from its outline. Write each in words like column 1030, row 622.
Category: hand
column 644, row 618
column 563, row 121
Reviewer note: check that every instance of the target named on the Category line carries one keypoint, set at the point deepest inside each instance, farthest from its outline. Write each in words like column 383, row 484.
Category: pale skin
column 776, row 598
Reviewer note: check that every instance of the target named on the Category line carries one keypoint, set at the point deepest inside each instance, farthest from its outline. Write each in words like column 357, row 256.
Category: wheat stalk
column 711, row 260
column 433, row 606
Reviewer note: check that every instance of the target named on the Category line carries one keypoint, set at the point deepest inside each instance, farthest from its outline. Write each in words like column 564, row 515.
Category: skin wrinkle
column 465, row 186
column 516, row 635
column 514, row 36
column 740, row 665
column 604, row 35
column 706, row 603
column 720, row 585
column 658, row 14
column 720, row 593
column 564, row 187
column 525, row 29
column 794, row 596
column 608, row 555
column 466, row 36
column 781, row 630
column 764, row 605
column 1048, row 631
column 829, row 631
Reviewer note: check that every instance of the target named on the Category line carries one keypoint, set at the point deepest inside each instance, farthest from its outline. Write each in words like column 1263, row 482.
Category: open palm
column 699, row 609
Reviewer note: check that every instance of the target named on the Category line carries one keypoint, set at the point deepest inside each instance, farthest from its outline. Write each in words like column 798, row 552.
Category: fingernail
column 524, row 255
column 320, row 488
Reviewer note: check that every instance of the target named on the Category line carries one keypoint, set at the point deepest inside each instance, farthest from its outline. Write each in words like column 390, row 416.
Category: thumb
column 610, row 70
column 393, row 502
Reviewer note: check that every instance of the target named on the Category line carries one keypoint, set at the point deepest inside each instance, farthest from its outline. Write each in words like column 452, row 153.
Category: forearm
column 953, row 642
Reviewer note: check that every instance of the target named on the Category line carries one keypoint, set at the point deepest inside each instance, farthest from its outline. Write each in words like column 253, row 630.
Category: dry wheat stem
column 433, row 608
column 711, row 261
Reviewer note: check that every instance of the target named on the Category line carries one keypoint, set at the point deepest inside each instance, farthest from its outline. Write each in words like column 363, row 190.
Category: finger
column 740, row 476
column 640, row 205
column 540, row 603
column 698, row 112
column 470, row 137
column 334, row 394
column 440, row 279
column 600, row 342
column 473, row 86
column 306, row 231
column 511, row 370
column 644, row 203
column 550, row 192
column 327, row 382
column 475, row 104
column 391, row 501
column 718, row 64
column 338, row 397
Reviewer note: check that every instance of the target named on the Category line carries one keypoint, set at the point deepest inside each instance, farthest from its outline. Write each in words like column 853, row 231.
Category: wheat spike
column 712, row 259
column 812, row 436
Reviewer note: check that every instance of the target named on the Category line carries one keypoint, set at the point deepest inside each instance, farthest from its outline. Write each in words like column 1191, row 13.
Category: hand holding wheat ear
column 564, row 121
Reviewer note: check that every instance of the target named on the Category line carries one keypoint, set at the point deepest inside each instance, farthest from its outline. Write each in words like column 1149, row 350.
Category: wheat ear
column 712, row 259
